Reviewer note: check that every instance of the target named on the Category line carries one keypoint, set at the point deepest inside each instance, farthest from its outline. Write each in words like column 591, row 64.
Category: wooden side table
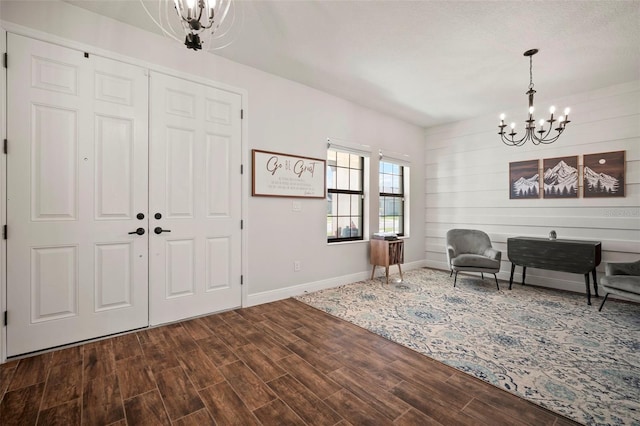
column 385, row 253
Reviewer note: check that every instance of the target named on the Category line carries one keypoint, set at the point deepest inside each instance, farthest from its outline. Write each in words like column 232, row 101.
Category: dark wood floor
column 280, row 363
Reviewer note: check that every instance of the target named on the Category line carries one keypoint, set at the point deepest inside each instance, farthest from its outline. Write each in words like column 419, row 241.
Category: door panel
column 77, row 176
column 194, row 156
column 54, row 283
column 54, row 173
column 114, row 168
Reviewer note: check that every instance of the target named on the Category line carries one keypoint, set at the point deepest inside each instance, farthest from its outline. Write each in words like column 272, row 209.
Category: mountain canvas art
column 560, row 179
column 604, row 174
column 524, row 179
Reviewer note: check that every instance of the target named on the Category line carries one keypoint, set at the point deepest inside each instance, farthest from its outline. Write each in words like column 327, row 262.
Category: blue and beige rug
column 547, row 346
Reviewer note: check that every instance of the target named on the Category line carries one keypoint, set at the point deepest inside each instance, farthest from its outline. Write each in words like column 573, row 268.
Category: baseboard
column 299, row 289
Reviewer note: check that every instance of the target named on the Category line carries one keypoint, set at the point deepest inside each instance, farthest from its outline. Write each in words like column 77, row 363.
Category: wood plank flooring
column 282, row 363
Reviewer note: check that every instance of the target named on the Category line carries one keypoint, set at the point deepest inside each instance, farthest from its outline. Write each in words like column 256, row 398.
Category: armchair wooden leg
column 455, row 278
column 482, row 275
column 496, row 277
column 603, row 300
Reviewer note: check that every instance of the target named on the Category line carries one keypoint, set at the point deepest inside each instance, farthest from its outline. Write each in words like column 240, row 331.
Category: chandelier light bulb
column 536, row 134
column 566, row 111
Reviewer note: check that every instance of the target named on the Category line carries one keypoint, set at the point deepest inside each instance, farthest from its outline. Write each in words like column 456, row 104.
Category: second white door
column 194, row 199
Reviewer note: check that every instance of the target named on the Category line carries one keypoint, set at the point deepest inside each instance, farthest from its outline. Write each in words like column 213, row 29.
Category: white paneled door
column 76, row 181
column 194, row 199
column 123, row 203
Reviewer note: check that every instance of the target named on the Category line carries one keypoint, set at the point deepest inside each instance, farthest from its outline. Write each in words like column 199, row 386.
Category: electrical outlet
column 297, row 266
column 296, row 206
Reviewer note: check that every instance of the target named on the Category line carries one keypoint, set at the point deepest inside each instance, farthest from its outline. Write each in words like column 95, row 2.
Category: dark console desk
column 575, row 256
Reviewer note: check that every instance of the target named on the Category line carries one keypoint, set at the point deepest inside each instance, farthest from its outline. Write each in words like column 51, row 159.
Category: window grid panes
column 345, row 196
column 391, row 212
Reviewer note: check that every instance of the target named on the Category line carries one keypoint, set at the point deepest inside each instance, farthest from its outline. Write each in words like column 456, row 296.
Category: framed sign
column 282, row 175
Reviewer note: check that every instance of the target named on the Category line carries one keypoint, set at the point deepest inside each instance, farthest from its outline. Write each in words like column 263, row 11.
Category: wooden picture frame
column 603, row 174
column 275, row 174
column 560, row 177
column 524, row 179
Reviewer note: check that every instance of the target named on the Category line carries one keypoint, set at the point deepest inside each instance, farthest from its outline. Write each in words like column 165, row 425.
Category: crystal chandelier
column 201, row 21
column 543, row 135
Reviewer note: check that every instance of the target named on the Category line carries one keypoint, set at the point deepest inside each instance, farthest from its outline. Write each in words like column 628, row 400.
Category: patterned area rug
column 547, row 346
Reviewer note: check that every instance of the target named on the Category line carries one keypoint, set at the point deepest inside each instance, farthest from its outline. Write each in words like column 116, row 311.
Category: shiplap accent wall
column 467, row 183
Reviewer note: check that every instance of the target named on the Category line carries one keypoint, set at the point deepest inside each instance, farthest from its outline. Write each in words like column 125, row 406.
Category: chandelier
column 200, row 21
column 543, row 135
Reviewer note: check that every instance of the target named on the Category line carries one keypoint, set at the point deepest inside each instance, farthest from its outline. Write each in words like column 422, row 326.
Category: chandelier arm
column 201, row 8
column 513, row 141
column 548, row 141
column 542, row 138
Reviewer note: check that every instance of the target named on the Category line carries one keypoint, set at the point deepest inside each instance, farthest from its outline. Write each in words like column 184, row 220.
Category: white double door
column 97, row 150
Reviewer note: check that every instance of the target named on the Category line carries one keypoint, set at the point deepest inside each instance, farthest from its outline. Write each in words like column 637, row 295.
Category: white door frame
column 40, row 35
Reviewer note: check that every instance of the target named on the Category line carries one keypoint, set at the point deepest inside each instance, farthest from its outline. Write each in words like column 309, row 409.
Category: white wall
column 467, row 182
column 282, row 116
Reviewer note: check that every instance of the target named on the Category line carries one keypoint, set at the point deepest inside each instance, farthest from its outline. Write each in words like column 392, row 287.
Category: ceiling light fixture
column 197, row 18
column 543, row 136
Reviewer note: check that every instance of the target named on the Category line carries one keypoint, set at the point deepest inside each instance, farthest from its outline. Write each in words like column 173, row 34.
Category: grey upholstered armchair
column 471, row 250
column 621, row 278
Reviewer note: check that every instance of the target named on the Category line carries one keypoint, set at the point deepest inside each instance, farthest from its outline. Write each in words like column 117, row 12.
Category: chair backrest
column 470, row 241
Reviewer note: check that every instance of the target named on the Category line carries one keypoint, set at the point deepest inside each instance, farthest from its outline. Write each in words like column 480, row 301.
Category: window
column 345, row 196
column 392, row 198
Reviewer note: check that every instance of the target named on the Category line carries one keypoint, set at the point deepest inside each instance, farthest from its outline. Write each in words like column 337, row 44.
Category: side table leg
column 513, row 269
column 400, row 269
column 586, row 281
column 595, row 282
column 386, row 268
column 524, row 273
column 373, row 271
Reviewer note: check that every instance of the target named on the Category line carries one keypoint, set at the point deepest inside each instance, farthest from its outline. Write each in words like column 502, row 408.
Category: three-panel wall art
column 599, row 175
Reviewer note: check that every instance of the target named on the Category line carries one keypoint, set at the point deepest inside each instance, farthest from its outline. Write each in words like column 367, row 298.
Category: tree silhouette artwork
column 603, row 174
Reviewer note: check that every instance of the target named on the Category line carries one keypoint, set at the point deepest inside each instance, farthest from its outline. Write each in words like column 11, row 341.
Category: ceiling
column 429, row 62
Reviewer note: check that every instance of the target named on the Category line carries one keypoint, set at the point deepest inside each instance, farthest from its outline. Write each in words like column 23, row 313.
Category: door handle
column 139, row 231
column 158, row 230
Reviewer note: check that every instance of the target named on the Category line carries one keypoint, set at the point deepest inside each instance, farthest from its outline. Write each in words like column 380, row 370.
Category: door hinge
column 241, row 169
column 241, row 279
column 6, row 318
column 5, row 147
column 241, row 114
column 241, row 224
column 4, row 232
column 5, row 60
